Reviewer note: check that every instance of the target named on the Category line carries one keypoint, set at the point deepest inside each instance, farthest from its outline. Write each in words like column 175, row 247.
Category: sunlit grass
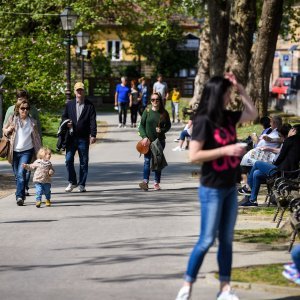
column 263, row 236
column 263, row 274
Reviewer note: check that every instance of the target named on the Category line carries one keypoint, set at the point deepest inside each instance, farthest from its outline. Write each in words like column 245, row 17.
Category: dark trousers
column 123, row 113
column 134, row 112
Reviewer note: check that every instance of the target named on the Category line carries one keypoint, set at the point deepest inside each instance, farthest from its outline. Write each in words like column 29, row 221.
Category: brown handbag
column 4, row 147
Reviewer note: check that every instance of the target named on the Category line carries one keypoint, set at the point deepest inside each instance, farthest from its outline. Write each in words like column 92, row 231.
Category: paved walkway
column 115, row 241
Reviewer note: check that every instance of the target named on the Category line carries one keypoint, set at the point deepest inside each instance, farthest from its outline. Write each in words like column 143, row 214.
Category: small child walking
column 42, row 175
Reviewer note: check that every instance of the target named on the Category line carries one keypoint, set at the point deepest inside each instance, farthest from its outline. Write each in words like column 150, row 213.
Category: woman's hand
column 158, row 130
column 145, row 142
column 11, row 128
column 237, row 149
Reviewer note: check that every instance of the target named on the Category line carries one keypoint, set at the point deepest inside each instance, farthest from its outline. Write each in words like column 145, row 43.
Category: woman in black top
column 214, row 144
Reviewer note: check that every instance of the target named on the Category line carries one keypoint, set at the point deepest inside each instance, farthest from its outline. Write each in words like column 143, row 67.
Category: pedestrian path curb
column 211, row 279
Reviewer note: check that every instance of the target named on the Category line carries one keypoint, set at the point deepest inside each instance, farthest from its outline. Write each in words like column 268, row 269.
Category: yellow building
column 112, row 40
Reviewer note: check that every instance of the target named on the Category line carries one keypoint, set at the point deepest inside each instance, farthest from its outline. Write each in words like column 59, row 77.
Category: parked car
column 281, row 88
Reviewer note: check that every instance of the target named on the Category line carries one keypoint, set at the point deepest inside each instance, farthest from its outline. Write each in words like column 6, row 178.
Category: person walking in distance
column 215, row 145
column 175, row 99
column 161, row 87
column 81, row 114
column 123, row 99
column 144, row 94
column 136, row 101
column 42, row 176
column 154, row 124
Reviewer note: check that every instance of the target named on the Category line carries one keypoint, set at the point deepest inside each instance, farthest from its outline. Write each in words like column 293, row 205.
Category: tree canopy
column 32, row 48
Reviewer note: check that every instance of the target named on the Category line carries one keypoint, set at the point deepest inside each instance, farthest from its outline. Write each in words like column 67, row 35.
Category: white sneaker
column 120, row 125
column 227, row 295
column 70, row 187
column 178, row 149
column 184, row 293
column 176, row 140
column 81, row 189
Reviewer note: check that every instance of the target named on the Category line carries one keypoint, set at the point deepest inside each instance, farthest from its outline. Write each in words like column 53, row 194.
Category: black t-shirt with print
column 221, row 172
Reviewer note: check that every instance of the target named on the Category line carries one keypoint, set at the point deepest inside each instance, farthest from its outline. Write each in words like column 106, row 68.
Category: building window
column 114, row 50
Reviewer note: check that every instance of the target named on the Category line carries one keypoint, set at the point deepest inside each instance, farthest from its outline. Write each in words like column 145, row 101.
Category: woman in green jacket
column 154, row 124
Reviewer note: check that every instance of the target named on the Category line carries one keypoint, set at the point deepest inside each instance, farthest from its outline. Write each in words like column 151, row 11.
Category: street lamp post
column 68, row 21
column 82, row 40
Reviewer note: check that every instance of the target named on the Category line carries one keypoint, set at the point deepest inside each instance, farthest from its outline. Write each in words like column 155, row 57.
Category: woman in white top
column 25, row 142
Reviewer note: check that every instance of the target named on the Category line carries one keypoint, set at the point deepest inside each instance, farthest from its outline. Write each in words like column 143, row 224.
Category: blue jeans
column 42, row 188
column 296, row 257
column 258, row 175
column 19, row 158
column 184, row 134
column 147, row 163
column 218, row 216
column 82, row 146
column 27, row 179
column 123, row 112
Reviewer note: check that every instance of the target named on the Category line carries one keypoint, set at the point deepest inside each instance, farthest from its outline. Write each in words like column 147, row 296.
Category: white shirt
column 160, row 87
column 273, row 135
column 23, row 139
column 79, row 108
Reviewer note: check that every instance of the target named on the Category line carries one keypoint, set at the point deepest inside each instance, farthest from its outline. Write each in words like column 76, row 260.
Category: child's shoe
column 48, row 203
column 144, row 185
column 38, row 204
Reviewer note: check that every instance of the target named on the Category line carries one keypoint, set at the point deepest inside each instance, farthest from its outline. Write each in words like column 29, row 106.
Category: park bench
column 294, row 220
column 282, row 190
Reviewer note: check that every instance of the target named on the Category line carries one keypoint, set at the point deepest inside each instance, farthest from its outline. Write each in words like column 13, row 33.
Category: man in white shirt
column 161, row 87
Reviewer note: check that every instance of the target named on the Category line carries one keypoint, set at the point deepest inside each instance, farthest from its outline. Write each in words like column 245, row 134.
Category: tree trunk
column 219, row 12
column 203, row 63
column 263, row 54
column 241, row 30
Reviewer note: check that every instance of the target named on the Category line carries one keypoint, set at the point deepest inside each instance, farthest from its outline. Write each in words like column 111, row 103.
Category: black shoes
column 20, row 201
column 244, row 191
column 246, row 202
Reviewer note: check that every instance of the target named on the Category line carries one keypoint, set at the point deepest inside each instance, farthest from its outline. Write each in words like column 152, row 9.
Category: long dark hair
column 212, row 99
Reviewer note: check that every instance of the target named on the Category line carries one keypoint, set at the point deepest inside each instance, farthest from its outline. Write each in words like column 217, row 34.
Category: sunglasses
column 24, row 108
column 154, row 99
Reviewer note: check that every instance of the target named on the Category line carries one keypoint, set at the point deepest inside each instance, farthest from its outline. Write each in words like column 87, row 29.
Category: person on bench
column 288, row 160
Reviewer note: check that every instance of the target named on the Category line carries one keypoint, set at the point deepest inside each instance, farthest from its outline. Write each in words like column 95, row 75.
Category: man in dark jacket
column 82, row 114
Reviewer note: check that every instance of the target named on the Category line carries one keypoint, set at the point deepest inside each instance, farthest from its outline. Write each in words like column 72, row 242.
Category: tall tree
column 219, row 12
column 241, row 31
column 203, row 62
column 263, row 53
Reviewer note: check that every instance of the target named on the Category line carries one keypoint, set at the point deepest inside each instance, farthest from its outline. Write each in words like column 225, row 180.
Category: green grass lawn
column 264, row 236
column 263, row 274
column 183, row 103
column 50, row 125
column 257, row 211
